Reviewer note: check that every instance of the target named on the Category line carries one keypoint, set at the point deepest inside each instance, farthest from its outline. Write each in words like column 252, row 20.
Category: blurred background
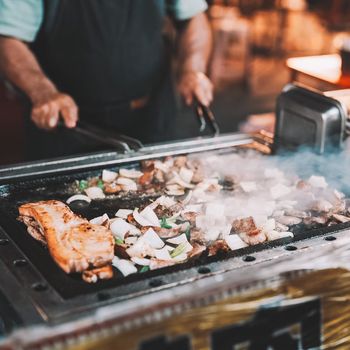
column 260, row 45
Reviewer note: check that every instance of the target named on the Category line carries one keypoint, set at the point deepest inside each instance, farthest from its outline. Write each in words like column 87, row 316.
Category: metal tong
column 105, row 137
column 206, row 117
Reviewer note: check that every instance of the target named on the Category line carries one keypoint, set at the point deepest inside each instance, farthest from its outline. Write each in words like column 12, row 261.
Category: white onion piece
column 279, row 190
column 124, row 266
column 78, row 197
column 99, row 220
column 215, row 210
column 108, row 176
column 124, row 181
column 195, row 208
column 130, row 240
column 235, row 242
column 272, row 235
column 140, row 249
column 141, row 261
column 187, row 198
column 179, row 181
column 174, row 190
column 123, row 213
column 269, row 225
column 150, row 216
column 180, row 257
column 119, row 228
column 164, row 167
column 317, row 181
column 95, row 192
column 162, row 254
column 131, row 187
column 271, row 173
column 130, row 173
column 140, row 219
column 165, row 201
column 178, row 240
column 248, row 186
column 153, row 239
column 186, row 174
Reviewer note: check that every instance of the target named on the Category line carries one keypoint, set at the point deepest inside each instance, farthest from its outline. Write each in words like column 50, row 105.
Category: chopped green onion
column 163, row 223
column 83, row 184
column 118, row 240
column 188, row 233
column 100, row 184
column 144, row 269
column 178, row 250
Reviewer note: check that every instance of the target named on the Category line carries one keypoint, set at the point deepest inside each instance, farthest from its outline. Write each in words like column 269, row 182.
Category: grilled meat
column 248, row 231
column 75, row 244
column 100, row 273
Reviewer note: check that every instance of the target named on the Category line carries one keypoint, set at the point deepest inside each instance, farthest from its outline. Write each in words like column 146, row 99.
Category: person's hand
column 195, row 85
column 47, row 110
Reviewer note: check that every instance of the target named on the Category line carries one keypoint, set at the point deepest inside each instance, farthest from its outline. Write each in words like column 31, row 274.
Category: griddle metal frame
column 161, row 288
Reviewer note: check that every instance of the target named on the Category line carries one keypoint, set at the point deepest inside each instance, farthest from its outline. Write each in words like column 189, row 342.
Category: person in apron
column 105, row 62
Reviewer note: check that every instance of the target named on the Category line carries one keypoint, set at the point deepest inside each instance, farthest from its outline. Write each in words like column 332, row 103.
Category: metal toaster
column 305, row 117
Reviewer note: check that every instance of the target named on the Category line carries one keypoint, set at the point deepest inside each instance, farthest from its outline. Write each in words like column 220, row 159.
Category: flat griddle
column 58, row 295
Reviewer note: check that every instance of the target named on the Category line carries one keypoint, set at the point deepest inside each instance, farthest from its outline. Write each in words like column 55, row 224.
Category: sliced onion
column 126, row 267
column 317, row 181
column 162, row 254
column 235, row 242
column 186, row 174
column 174, row 190
column 178, row 240
column 123, row 213
column 279, row 190
column 130, row 173
column 140, row 249
column 130, row 240
column 108, row 176
column 153, row 239
column 164, row 167
column 78, row 197
column 131, row 187
column 124, row 181
column 165, row 201
column 215, row 210
column 99, row 220
column 248, row 186
column 272, row 235
column 95, row 192
column 140, row 219
column 141, row 261
column 180, row 257
column 179, row 181
column 120, row 227
column 149, row 214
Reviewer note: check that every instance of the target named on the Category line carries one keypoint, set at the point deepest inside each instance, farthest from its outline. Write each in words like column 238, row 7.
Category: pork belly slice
column 75, row 244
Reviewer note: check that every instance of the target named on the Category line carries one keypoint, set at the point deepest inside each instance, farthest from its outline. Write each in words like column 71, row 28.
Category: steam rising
column 277, row 191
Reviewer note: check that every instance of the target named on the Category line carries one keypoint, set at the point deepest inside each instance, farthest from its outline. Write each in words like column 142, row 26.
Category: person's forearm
column 194, row 44
column 19, row 65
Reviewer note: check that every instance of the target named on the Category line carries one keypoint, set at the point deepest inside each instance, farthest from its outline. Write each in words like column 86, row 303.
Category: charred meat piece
column 218, row 246
column 197, row 236
column 248, row 231
column 74, row 243
column 100, row 273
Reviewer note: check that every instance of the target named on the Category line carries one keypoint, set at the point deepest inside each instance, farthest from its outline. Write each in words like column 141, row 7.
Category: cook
column 103, row 61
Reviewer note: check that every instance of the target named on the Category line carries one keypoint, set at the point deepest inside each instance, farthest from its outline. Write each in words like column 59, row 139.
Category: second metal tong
column 206, row 117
